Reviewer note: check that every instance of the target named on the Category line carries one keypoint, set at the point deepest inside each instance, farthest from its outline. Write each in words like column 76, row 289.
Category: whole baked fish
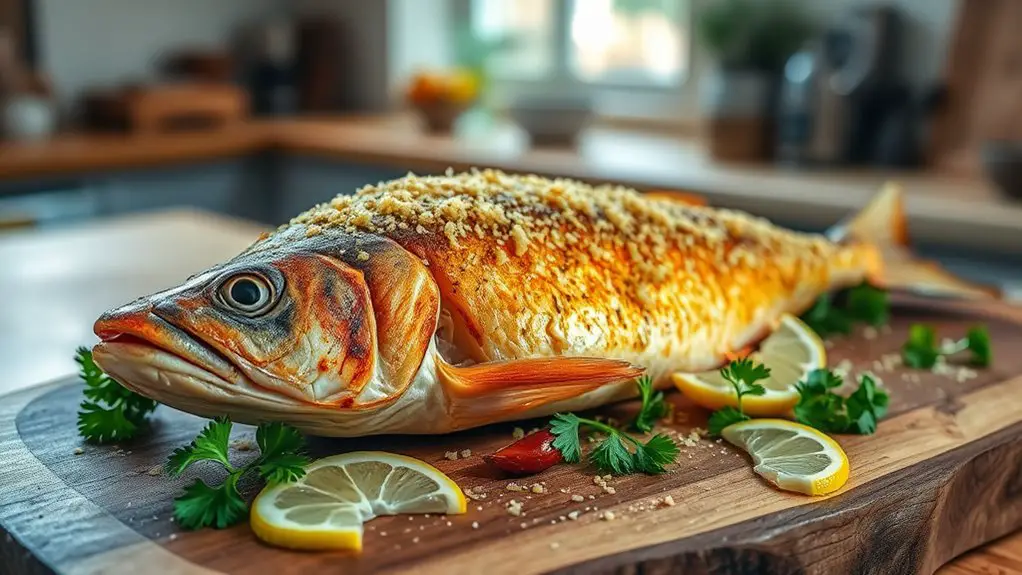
column 432, row 304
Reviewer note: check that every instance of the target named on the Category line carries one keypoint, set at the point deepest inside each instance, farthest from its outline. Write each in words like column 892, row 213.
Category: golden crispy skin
column 533, row 267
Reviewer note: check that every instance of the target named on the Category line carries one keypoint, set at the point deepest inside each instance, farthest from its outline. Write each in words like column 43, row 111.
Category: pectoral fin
column 501, row 390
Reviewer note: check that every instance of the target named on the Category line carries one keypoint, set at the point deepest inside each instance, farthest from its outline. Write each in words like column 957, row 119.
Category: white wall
column 85, row 43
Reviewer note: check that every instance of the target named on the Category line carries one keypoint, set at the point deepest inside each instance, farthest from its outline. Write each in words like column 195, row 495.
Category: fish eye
column 248, row 293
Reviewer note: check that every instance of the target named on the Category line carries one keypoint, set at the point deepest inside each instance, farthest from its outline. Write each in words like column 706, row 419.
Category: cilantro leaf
column 203, row 506
column 866, row 406
column 837, row 313
column 281, row 460
column 825, row 319
column 819, row 381
column 755, row 389
column 653, row 409
column 104, row 425
column 111, row 411
column 817, row 406
column 868, row 304
column 743, row 373
column 210, row 445
column 920, row 351
column 284, row 468
column 978, row 342
column 611, row 454
column 652, row 456
column 724, row 417
column 564, row 427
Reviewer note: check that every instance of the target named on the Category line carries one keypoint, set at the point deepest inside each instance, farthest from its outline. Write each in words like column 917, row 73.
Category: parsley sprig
column 620, row 453
column 653, row 409
column 110, row 412
column 742, row 374
column 838, row 313
column 612, row 454
column 281, row 460
column 818, row 406
column 921, row 350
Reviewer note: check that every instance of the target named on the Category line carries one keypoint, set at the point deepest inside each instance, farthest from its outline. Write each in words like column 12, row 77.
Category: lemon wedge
column 791, row 352
column 326, row 508
column 792, row 456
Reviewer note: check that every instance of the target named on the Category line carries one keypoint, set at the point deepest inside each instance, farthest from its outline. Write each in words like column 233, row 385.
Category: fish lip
column 176, row 342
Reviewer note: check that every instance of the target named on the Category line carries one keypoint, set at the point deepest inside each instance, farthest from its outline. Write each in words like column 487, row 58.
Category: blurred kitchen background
column 797, row 110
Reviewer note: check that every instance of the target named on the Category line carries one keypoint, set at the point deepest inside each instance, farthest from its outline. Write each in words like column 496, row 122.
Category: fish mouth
column 137, row 345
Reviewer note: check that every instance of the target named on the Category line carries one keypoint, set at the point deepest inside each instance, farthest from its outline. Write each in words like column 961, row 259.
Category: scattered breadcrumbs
column 870, row 332
column 668, row 501
column 513, row 487
column 573, row 515
column 514, row 507
column 607, row 516
column 78, row 451
column 554, row 545
column 155, row 471
column 466, row 453
column 517, row 433
column 842, row 368
column 537, row 488
column 474, row 493
column 242, row 445
column 363, row 256
column 452, row 455
column 577, row 498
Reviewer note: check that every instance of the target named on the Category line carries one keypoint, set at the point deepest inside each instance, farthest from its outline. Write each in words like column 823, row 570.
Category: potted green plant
column 750, row 41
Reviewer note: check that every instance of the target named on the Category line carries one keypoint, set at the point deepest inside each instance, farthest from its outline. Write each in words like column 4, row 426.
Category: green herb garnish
column 281, row 460
column 742, row 374
column 837, row 313
column 653, row 409
column 921, row 350
column 110, row 412
column 612, row 453
column 818, row 406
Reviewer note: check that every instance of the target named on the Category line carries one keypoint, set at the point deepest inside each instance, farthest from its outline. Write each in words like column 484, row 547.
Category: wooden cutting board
column 942, row 475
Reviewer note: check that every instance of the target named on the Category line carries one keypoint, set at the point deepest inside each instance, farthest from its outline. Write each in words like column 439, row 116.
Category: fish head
column 295, row 325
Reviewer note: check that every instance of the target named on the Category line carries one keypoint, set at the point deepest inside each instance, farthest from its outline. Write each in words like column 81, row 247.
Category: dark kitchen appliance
column 841, row 89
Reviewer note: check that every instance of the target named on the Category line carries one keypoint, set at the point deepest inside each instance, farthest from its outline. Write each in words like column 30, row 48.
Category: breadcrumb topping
column 557, row 224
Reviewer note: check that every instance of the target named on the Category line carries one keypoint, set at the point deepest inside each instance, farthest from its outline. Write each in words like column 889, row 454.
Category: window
column 633, row 43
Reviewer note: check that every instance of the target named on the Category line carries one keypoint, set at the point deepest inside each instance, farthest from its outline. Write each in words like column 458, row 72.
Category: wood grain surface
column 942, row 476
column 644, row 159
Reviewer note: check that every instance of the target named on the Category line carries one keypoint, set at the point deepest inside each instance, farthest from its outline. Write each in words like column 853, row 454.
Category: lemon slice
column 326, row 508
column 791, row 353
column 790, row 455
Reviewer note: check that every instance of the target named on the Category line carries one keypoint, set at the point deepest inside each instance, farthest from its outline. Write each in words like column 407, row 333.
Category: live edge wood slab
column 942, row 476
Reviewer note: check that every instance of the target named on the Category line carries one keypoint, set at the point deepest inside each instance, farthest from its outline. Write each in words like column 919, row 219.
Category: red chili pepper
column 531, row 454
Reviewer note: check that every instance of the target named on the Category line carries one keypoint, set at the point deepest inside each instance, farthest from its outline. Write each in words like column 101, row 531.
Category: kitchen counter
column 980, row 218
column 61, row 280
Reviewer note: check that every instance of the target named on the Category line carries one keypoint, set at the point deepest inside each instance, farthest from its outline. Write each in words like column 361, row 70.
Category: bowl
column 439, row 116
column 1002, row 162
column 550, row 120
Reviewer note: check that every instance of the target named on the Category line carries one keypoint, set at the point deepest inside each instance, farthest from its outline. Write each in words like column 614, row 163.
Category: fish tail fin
column 515, row 389
column 881, row 229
